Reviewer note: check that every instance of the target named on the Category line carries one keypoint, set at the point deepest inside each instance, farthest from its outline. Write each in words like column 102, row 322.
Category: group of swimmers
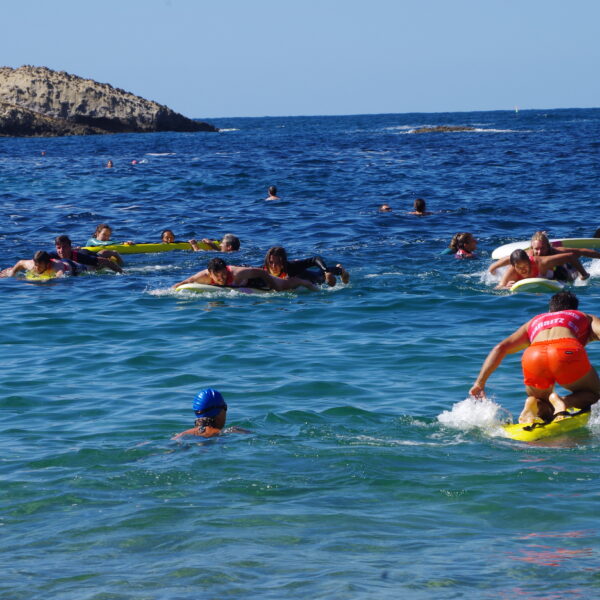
column 419, row 208
column 541, row 259
column 277, row 272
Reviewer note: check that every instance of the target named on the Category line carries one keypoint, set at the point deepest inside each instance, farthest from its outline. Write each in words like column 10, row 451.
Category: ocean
column 368, row 472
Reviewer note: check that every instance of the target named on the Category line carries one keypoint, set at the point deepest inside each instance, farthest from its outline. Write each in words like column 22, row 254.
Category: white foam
column 232, row 129
column 474, row 413
column 160, row 153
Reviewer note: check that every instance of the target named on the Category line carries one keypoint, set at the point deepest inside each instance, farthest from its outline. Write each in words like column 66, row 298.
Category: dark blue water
column 367, row 474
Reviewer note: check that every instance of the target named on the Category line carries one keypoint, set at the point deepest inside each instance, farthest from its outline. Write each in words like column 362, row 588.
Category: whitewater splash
column 475, row 413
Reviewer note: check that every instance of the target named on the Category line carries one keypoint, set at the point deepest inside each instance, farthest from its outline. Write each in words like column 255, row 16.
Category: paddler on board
column 523, row 266
column 41, row 266
column 219, row 273
column 554, row 353
column 541, row 246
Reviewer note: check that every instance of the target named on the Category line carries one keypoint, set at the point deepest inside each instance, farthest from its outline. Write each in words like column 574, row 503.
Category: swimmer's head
column 41, row 261
column 419, row 205
column 63, row 246
column 275, row 260
column 272, row 190
column 519, row 259
column 564, row 300
column 217, row 269
column 208, row 403
column 103, row 232
column 230, row 243
column 463, row 241
column 540, row 244
column 167, row 236
column 385, row 208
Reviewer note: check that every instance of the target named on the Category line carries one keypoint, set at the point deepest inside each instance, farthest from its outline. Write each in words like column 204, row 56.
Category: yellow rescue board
column 529, row 432
column 148, row 248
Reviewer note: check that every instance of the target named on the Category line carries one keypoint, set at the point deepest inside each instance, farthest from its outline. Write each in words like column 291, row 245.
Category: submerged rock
column 37, row 101
column 442, row 129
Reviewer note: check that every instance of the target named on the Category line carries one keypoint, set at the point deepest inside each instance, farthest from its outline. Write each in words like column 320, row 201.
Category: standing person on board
column 554, row 344
column 220, row 274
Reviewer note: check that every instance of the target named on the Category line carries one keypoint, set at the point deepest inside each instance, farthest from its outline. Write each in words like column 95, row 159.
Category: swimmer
column 42, row 265
column 64, row 250
column 220, row 274
column 554, row 353
column 541, row 246
column 109, row 164
column 229, row 243
column 277, row 264
column 102, row 237
column 167, row 237
column 385, row 208
column 210, row 409
column 524, row 266
column 419, row 208
column 463, row 245
column 272, row 193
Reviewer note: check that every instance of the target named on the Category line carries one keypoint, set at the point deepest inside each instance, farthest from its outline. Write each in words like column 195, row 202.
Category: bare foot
column 530, row 410
column 558, row 404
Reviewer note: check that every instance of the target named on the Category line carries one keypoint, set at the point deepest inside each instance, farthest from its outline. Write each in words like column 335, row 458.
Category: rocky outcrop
column 442, row 129
column 36, row 101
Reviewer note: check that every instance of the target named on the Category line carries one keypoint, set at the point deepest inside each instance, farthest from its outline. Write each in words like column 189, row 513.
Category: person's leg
column 537, row 404
column 584, row 392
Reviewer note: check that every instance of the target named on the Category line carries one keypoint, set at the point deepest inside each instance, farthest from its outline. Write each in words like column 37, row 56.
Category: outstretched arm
column 22, row 265
column 513, row 343
column 549, row 262
column 200, row 277
column 499, row 263
column 587, row 252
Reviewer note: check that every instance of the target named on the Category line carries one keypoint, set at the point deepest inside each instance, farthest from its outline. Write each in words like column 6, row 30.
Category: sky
column 239, row 58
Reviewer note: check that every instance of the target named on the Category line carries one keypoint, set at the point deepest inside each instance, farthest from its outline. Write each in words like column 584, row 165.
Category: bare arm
column 200, row 277
column 587, row 252
column 509, row 277
column 513, row 343
column 22, row 265
column 595, row 324
column 499, row 263
column 109, row 264
column 549, row 262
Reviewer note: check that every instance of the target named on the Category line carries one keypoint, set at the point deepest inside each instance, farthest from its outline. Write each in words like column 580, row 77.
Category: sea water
column 368, row 472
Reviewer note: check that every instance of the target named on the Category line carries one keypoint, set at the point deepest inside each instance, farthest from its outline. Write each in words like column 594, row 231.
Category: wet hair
column 419, row 205
column 564, row 300
column 232, row 241
column 162, row 235
column 101, row 227
column 597, row 233
column 272, row 190
column 62, row 239
column 459, row 240
column 41, row 256
column 216, row 264
column 279, row 252
column 517, row 256
column 541, row 236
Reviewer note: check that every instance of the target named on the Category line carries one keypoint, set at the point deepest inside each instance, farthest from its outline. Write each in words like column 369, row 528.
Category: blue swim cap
column 208, row 403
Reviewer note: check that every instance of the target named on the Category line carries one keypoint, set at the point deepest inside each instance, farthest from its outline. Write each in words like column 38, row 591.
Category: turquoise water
column 368, row 472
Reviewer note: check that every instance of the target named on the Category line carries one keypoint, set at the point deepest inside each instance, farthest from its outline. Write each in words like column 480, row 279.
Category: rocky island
column 37, row 101
column 442, row 128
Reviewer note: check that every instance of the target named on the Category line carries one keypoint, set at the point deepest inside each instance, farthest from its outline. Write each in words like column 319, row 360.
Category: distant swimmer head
column 167, row 236
column 564, row 300
column 540, row 244
column 208, row 403
column 419, row 205
column 272, row 190
column 109, row 164
column 385, row 208
column 230, row 243
column 103, row 232
column 463, row 241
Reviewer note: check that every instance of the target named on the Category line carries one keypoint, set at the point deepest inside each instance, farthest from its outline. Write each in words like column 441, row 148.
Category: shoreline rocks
column 37, row 101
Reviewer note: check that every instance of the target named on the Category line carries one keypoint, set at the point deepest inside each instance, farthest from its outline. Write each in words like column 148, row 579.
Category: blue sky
column 226, row 58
